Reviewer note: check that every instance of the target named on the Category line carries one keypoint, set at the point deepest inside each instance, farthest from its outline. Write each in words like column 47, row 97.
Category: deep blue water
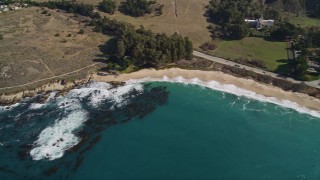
column 198, row 133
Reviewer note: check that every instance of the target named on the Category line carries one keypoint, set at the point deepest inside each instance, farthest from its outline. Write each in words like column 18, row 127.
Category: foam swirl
column 54, row 140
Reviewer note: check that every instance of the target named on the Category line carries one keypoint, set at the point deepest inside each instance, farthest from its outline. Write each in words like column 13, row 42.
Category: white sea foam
column 54, row 140
column 51, row 96
column 6, row 108
column 231, row 89
column 36, row 106
column 97, row 92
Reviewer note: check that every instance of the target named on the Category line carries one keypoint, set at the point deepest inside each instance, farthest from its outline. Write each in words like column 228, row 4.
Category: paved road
column 195, row 53
column 256, row 70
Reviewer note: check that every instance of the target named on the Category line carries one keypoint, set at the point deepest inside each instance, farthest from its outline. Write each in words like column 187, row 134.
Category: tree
column 285, row 30
column 108, row 6
column 137, row 7
column 120, row 49
column 142, row 48
column 230, row 15
column 189, row 48
column 314, row 36
column 81, row 31
column 300, row 66
column 237, row 31
column 270, row 13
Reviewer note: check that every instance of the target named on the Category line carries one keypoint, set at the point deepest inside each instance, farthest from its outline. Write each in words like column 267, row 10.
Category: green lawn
column 301, row 20
column 273, row 54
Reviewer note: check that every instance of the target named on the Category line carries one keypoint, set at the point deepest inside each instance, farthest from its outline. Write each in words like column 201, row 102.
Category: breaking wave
column 54, row 140
column 231, row 89
column 60, row 136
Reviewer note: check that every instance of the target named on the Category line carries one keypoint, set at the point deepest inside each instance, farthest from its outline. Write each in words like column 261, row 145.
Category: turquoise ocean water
column 177, row 131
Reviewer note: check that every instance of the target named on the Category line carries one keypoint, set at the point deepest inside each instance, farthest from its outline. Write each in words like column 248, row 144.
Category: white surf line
column 231, row 89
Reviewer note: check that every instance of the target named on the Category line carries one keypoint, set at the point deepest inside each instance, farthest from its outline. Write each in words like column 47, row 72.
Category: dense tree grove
column 310, row 36
column 225, row 12
column 270, row 13
column 312, row 7
column 137, row 7
column 143, row 48
column 230, row 15
column 108, row 6
column 111, row 26
column 313, row 37
column 303, row 39
column 285, row 31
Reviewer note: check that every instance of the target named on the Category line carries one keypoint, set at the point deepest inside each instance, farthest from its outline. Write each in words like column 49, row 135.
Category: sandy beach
column 247, row 84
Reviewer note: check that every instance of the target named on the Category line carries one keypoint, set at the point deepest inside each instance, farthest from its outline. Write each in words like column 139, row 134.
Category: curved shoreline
column 268, row 91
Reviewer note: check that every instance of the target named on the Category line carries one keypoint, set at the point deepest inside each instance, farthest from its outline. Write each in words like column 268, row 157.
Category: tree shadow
column 272, row 39
column 104, row 69
column 109, row 47
column 282, row 60
column 284, row 69
column 107, row 51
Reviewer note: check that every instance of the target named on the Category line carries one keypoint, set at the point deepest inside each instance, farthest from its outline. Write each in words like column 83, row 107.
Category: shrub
column 108, row 6
column 159, row 10
column 252, row 63
column 209, row 45
column 81, row 31
column 57, row 35
column 137, row 7
column 1, row 36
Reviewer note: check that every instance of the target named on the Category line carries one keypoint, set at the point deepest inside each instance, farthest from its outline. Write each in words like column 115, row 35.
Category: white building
column 260, row 23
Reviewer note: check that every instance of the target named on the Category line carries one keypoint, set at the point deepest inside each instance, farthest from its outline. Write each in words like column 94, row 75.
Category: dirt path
column 72, row 72
column 175, row 8
column 47, row 67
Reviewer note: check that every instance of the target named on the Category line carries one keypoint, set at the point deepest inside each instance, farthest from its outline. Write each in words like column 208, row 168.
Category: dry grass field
column 190, row 20
column 37, row 46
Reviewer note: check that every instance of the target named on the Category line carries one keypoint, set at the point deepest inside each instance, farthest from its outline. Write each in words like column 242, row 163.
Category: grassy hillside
column 37, row 46
column 187, row 18
column 301, row 20
column 190, row 20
